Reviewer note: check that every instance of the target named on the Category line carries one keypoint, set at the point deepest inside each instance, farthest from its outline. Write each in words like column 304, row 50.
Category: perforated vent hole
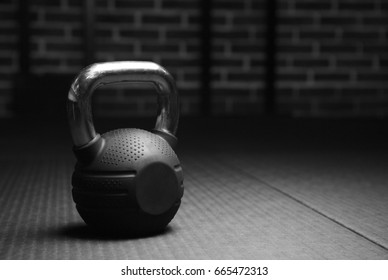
column 124, row 147
column 129, row 145
column 161, row 145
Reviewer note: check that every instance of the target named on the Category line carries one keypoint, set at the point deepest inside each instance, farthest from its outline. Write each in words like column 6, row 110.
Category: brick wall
column 8, row 55
column 238, row 56
column 56, row 36
column 163, row 31
column 332, row 58
column 331, row 55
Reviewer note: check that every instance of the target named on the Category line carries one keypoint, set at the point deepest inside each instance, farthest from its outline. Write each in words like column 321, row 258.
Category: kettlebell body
column 126, row 180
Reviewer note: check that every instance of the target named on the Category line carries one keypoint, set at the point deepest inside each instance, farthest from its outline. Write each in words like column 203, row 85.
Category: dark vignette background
column 283, row 120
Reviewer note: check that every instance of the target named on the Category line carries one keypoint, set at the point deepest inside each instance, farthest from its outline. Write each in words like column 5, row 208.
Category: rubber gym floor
column 254, row 189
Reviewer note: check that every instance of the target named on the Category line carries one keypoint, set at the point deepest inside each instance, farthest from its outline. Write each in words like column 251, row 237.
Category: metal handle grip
column 95, row 75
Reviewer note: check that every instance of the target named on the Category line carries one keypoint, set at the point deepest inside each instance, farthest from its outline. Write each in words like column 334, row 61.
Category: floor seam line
column 268, row 185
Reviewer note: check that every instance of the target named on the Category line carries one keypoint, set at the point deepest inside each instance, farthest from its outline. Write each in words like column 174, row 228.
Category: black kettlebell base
column 129, row 222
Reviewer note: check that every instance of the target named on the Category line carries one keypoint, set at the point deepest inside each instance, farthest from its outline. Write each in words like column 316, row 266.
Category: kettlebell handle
column 95, row 75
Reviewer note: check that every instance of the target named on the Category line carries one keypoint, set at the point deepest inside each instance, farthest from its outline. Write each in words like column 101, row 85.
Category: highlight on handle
column 99, row 74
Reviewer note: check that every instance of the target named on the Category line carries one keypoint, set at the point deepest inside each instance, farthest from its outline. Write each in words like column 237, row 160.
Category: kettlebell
column 126, row 180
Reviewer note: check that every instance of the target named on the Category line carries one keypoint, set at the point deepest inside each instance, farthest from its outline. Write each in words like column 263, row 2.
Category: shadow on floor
column 85, row 232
